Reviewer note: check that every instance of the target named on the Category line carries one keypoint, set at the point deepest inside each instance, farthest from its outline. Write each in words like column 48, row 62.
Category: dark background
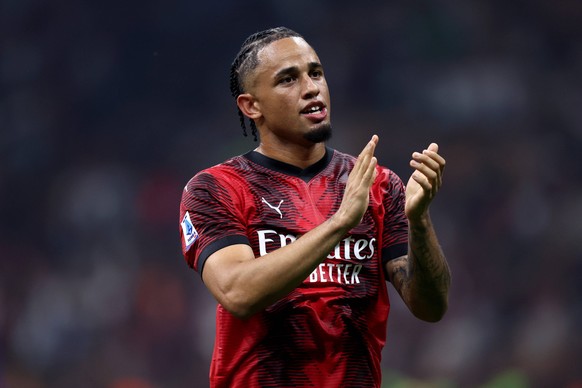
column 107, row 108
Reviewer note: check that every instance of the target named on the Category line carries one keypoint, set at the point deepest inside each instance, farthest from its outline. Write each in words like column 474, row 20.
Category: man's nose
column 309, row 87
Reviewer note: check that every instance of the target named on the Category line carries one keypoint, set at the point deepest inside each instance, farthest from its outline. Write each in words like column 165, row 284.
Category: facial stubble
column 319, row 135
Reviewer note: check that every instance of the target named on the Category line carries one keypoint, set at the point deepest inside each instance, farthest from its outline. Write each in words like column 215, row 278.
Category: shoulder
column 222, row 186
column 218, row 175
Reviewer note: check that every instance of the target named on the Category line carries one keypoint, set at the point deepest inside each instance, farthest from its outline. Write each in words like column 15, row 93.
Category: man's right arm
column 244, row 285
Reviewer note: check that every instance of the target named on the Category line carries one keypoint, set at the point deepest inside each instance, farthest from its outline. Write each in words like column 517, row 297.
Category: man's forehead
column 293, row 51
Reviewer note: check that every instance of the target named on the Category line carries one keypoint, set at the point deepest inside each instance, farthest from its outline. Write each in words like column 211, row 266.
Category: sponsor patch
column 188, row 231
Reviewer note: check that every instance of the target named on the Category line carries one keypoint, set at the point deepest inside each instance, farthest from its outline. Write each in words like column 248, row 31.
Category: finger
column 436, row 157
column 431, row 159
column 434, row 147
column 430, row 175
column 432, row 152
column 364, row 158
column 426, row 159
column 370, row 146
column 429, row 156
column 370, row 174
column 428, row 167
column 422, row 181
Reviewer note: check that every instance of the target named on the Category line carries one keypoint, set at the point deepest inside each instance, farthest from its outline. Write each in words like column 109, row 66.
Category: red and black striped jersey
column 329, row 331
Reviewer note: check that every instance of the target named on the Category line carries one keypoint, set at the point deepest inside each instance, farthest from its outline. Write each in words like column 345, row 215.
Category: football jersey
column 329, row 331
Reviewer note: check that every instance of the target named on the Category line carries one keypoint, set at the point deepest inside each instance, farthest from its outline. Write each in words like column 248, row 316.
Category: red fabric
column 328, row 332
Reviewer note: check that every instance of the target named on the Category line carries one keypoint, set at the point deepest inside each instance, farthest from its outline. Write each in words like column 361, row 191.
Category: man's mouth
column 312, row 110
column 315, row 112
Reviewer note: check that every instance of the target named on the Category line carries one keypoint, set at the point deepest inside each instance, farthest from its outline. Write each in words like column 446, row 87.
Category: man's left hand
column 424, row 182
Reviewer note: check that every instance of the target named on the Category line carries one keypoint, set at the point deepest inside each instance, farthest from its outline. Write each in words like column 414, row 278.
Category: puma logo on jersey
column 275, row 208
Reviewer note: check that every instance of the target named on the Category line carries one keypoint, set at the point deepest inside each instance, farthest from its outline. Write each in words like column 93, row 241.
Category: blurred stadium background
column 108, row 107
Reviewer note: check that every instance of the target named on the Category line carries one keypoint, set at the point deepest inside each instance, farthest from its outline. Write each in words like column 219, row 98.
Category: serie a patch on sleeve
column 188, row 231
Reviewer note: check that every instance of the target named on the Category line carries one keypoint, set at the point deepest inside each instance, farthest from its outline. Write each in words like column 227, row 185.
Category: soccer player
column 296, row 241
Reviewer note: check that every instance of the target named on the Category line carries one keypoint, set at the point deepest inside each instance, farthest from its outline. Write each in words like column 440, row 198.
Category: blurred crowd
column 107, row 109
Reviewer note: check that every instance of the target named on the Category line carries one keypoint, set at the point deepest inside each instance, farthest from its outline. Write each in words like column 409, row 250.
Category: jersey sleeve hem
column 217, row 245
column 394, row 251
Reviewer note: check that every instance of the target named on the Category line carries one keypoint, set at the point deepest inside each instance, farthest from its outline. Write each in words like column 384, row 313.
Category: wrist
column 339, row 224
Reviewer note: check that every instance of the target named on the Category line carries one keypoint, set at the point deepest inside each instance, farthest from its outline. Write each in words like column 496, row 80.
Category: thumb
column 433, row 147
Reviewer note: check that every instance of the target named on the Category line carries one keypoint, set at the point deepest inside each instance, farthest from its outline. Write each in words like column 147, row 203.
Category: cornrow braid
column 247, row 60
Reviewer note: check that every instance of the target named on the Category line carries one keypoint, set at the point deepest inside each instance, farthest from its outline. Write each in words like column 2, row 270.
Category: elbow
column 239, row 312
column 434, row 312
column 238, row 306
column 240, row 302
column 433, row 316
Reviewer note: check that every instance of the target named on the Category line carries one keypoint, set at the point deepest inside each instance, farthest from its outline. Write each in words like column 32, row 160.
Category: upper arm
column 222, row 269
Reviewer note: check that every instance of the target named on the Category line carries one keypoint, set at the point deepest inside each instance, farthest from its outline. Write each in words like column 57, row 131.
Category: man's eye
column 316, row 73
column 286, row 80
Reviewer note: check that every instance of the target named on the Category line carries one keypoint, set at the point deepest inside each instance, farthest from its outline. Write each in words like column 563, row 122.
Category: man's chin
column 320, row 134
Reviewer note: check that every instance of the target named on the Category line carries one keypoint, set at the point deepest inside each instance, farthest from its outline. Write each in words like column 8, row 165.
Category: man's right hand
column 357, row 192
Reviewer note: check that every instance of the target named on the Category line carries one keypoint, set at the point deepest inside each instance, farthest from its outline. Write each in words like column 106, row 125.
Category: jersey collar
column 305, row 174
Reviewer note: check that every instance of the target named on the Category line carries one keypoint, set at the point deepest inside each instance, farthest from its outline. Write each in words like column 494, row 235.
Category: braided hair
column 247, row 60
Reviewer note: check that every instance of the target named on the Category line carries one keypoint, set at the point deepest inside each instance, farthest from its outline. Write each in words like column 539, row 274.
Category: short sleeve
column 210, row 219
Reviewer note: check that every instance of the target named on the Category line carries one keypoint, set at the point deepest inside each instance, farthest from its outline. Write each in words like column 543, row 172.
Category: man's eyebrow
column 315, row 65
column 295, row 69
column 287, row 70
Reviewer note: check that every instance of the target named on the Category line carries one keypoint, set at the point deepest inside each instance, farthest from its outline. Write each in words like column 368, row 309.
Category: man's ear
column 249, row 106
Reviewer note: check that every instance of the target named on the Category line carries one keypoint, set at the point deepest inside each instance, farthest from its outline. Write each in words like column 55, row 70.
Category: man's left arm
column 422, row 278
